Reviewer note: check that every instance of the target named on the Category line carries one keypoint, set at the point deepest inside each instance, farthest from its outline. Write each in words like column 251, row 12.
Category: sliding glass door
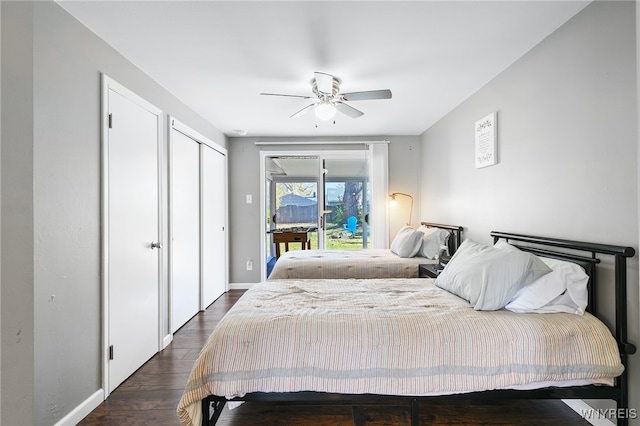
column 296, row 208
column 291, row 205
column 346, row 202
column 316, row 202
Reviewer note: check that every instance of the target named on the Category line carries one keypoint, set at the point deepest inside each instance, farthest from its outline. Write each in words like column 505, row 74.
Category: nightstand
column 428, row 270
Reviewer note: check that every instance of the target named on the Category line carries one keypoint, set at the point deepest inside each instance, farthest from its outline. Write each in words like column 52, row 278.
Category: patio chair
column 351, row 224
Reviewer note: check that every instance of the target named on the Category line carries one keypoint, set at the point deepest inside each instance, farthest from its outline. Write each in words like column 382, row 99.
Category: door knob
column 156, row 245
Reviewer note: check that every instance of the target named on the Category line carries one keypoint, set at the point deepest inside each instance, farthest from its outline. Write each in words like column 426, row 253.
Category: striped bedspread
column 334, row 264
column 393, row 337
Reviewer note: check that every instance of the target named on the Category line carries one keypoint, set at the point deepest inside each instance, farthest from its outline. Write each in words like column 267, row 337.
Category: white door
column 132, row 224
column 185, row 225
column 214, row 213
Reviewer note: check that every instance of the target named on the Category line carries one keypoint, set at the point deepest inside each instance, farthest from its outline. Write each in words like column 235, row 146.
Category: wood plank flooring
column 151, row 395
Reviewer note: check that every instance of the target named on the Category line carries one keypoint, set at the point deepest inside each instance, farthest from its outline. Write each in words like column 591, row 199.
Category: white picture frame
column 486, row 141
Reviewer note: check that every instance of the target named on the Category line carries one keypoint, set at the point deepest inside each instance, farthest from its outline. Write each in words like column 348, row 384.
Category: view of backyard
column 321, row 202
column 336, row 238
column 297, row 207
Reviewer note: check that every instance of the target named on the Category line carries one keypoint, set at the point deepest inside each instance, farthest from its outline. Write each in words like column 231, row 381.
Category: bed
column 366, row 263
column 349, row 340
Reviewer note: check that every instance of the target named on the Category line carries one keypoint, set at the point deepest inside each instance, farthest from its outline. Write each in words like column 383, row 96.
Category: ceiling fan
column 326, row 89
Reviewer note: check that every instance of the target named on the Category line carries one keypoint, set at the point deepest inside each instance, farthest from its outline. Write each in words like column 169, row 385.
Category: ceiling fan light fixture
column 325, row 111
column 329, row 100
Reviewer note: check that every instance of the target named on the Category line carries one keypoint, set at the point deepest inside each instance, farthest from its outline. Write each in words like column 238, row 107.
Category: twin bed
column 350, row 339
column 364, row 264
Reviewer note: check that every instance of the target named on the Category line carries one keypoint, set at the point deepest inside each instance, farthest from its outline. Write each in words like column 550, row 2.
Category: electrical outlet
column 249, row 265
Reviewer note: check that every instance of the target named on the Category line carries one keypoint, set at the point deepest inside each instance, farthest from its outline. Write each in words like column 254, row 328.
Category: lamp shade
column 325, row 111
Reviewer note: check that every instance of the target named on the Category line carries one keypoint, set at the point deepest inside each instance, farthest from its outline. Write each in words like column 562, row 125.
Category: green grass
column 336, row 238
column 339, row 239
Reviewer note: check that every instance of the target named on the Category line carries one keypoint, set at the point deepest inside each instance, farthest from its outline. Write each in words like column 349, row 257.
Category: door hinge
column 111, row 352
column 110, row 120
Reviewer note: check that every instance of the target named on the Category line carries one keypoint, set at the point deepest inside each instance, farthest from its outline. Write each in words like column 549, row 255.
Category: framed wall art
column 486, row 141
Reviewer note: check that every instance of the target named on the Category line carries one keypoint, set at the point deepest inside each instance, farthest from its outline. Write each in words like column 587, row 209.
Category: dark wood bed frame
column 212, row 405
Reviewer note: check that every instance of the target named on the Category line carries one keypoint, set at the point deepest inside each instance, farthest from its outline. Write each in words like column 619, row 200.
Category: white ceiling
column 218, row 56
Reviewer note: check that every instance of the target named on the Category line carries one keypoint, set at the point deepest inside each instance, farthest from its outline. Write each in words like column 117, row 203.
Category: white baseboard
column 581, row 407
column 240, row 286
column 166, row 341
column 82, row 410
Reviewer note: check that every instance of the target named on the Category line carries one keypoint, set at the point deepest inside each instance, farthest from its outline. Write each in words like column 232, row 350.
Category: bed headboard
column 454, row 239
column 540, row 246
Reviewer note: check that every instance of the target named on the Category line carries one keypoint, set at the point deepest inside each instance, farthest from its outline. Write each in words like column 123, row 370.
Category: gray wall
column 244, row 178
column 567, row 148
column 567, row 126
column 0, row 220
column 51, row 97
column 17, row 320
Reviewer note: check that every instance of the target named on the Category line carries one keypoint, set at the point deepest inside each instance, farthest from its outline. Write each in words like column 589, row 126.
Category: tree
column 351, row 198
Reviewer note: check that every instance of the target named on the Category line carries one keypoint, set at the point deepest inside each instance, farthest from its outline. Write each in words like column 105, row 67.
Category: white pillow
column 564, row 289
column 489, row 277
column 433, row 239
column 407, row 242
column 504, row 245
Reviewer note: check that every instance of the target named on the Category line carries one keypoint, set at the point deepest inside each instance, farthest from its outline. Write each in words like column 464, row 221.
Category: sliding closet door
column 185, row 232
column 214, row 216
column 198, row 257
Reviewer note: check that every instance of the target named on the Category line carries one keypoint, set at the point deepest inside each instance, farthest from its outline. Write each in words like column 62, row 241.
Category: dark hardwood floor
column 151, row 395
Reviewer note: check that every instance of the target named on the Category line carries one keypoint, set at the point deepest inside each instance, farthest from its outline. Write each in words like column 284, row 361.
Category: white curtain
column 379, row 177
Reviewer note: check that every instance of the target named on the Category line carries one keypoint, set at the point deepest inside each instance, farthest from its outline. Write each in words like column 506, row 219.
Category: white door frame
column 110, row 84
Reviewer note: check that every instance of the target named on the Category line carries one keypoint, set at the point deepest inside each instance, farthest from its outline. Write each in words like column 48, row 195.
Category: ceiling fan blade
column 348, row 110
column 290, row 96
column 303, row 111
column 324, row 82
column 368, row 95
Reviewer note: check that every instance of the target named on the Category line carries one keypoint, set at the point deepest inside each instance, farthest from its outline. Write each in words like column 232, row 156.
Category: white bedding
column 335, row 264
column 392, row 337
